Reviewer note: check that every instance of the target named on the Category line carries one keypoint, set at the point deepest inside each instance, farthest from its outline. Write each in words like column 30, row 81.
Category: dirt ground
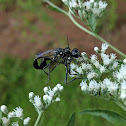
column 15, row 39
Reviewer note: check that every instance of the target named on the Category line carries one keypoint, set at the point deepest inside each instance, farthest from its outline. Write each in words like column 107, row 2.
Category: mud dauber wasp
column 55, row 57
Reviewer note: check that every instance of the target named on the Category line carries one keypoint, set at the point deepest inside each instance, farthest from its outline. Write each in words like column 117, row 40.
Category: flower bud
column 31, row 95
column 96, row 49
column 47, row 99
column 4, row 109
column 45, row 90
column 55, row 89
column 124, row 61
column 26, row 120
column 57, row 99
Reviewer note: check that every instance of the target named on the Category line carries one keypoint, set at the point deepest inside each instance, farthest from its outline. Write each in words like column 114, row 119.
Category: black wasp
column 54, row 57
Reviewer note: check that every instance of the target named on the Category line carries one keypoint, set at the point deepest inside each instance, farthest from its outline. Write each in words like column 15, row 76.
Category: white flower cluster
column 51, row 95
column 85, row 8
column 106, row 79
column 18, row 112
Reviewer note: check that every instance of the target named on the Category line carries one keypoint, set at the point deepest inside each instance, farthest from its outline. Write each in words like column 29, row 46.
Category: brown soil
column 19, row 41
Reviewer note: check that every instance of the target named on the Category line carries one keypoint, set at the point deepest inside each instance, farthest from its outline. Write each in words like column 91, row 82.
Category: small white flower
column 104, row 47
column 65, row 2
column 87, row 5
column 94, row 86
column 15, row 123
column 107, row 82
column 61, row 88
column 96, row 63
column 45, row 90
column 102, row 5
column 4, row 109
column 47, row 99
column 123, row 85
column 97, row 12
column 102, row 69
column 115, row 65
column 95, row 4
column 57, row 99
column 5, row 121
column 93, row 58
column 91, row 1
column 103, row 86
column 79, row 70
column 31, row 95
column 37, row 102
column 112, row 88
column 123, row 95
column 84, row 55
column 73, row 66
column 55, row 89
column 91, row 75
column 124, row 61
column 112, row 56
column 73, row 4
column 58, row 85
column 11, row 114
column 96, row 49
column 89, row 66
column 105, row 58
column 121, row 74
column 26, row 120
column 84, row 86
column 84, row 66
column 19, row 112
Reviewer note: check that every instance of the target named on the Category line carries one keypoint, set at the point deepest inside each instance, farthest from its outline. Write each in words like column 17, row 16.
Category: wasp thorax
column 67, row 50
column 75, row 53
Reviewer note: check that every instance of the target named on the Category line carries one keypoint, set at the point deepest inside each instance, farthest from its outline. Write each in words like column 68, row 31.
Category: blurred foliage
column 106, row 23
column 18, row 78
column 109, row 19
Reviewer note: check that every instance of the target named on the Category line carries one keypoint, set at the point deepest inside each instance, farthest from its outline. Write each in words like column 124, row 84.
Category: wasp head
column 75, row 53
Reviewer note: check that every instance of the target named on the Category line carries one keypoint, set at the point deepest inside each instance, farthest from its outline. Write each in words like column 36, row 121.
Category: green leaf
column 72, row 120
column 110, row 116
column 54, row 9
column 92, row 22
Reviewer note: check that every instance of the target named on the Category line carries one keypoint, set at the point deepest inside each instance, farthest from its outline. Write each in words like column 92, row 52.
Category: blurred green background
column 26, row 28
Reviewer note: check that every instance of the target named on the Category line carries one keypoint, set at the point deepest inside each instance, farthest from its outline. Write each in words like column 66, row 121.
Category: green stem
column 53, row 5
column 96, row 36
column 40, row 116
column 119, row 104
column 84, row 29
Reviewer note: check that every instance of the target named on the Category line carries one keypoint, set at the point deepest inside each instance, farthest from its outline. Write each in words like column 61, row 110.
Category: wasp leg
column 68, row 71
column 66, row 75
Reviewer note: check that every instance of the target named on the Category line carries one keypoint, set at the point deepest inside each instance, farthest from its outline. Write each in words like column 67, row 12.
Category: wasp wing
column 46, row 53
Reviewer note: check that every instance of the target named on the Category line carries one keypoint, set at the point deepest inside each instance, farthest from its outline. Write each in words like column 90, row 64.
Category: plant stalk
column 39, row 118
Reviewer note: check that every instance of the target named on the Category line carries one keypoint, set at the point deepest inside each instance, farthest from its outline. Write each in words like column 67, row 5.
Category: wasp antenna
column 67, row 41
